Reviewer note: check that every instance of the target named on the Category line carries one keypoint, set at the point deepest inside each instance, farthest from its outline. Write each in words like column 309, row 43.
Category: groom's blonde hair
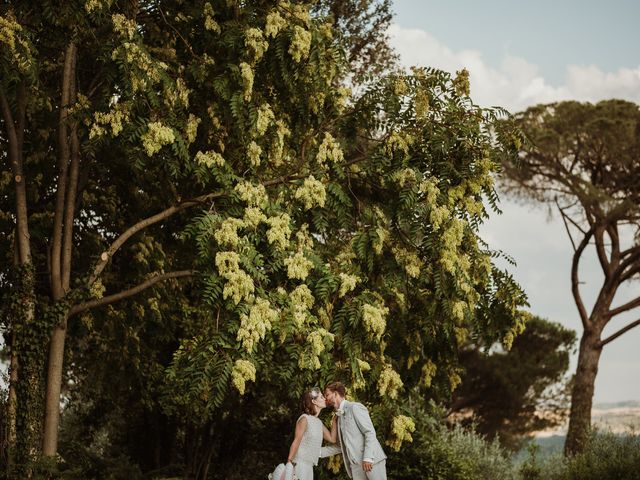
column 337, row 387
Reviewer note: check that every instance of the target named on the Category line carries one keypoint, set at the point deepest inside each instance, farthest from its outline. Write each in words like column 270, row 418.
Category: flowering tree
column 331, row 234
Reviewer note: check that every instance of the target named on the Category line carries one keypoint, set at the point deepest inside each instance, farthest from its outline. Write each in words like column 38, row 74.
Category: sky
column 520, row 53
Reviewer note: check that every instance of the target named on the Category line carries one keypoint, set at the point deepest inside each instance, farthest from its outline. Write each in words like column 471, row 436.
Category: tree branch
column 158, row 217
column 602, row 343
column 72, row 189
column 63, row 163
column 575, row 288
column 129, row 292
column 625, row 307
column 15, row 158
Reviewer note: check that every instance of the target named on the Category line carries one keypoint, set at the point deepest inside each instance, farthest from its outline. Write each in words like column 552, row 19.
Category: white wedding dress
column 307, row 455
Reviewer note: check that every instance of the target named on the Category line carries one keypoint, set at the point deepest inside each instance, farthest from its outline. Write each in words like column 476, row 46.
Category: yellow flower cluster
column 246, row 73
column 312, row 193
column 254, row 327
column 364, row 366
column 303, row 238
column 374, row 319
column 279, row 230
column 453, row 234
column 253, row 216
column 123, row 26
column 347, row 283
column 156, row 137
column 253, row 152
column 274, row 23
column 209, row 23
column 93, row 5
column 192, row 128
column 400, row 86
column 277, row 147
column 378, row 243
column 301, row 301
column 461, row 82
column 238, row 284
column 329, row 150
column 401, row 429
column 342, row 97
column 254, row 195
column 145, row 70
column 97, row 289
column 264, row 118
column 458, row 310
column 298, row 266
column 114, row 118
column 243, row 371
column 438, row 216
column 521, row 318
column 398, row 143
column 421, row 102
column 300, row 43
column 11, row 36
column 454, row 380
column 430, row 190
column 404, row 176
column 209, row 158
column 429, row 370
column 408, row 260
column 389, row 382
column 317, row 341
column 227, row 233
column 256, row 43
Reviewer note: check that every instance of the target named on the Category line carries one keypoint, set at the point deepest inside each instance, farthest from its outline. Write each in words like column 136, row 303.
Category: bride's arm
column 301, row 427
column 331, row 436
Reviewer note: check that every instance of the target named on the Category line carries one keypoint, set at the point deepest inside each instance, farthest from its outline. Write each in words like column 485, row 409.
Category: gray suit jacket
column 356, row 437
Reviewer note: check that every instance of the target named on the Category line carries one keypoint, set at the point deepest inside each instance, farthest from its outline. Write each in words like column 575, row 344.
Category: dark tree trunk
column 582, row 393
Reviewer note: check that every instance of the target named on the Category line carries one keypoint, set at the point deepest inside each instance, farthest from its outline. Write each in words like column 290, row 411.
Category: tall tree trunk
column 27, row 383
column 61, row 249
column 582, row 393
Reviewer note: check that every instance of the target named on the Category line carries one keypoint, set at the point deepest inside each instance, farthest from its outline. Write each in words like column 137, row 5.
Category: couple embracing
column 352, row 435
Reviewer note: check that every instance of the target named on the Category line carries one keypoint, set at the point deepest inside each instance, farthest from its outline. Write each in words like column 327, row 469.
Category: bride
column 306, row 447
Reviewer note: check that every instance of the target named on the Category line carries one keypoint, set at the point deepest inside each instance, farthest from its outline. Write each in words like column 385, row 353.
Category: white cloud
column 516, row 84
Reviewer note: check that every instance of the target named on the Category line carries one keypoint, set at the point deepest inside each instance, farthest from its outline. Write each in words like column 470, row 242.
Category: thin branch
column 564, row 220
column 618, row 333
column 575, row 284
column 602, row 254
column 129, row 292
column 625, row 307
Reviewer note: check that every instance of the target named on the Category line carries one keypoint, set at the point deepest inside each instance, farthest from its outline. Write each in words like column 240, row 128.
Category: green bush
column 438, row 453
column 607, row 457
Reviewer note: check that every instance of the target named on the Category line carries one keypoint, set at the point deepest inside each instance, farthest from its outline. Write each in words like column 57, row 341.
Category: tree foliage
column 329, row 234
column 511, row 394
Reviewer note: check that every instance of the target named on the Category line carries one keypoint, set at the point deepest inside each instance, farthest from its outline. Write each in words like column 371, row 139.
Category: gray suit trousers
column 378, row 472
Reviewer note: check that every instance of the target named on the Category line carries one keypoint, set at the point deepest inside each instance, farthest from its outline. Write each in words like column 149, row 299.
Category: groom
column 361, row 451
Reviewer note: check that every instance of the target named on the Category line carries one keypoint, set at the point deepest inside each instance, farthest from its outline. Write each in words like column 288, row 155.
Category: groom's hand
column 367, row 466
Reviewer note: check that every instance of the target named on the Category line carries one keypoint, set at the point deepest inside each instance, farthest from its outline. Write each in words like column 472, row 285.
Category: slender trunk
column 582, row 393
column 12, row 397
column 27, row 383
column 61, row 250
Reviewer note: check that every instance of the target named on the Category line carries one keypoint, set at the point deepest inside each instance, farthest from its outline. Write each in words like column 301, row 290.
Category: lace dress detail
column 311, row 443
